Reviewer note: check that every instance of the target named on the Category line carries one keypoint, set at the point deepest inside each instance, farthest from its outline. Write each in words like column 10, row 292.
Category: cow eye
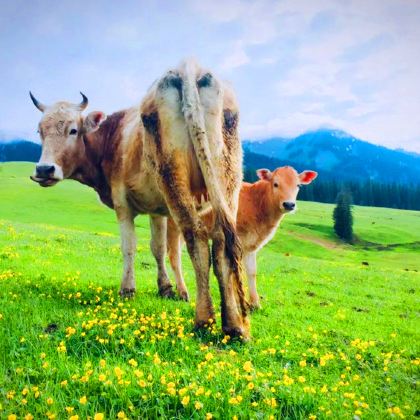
column 275, row 185
column 73, row 131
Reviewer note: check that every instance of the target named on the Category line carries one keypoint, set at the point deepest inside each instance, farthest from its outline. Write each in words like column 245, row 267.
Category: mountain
column 19, row 150
column 336, row 155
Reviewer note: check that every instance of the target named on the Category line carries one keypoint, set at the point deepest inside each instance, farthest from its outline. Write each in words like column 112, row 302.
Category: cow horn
column 38, row 104
column 84, row 102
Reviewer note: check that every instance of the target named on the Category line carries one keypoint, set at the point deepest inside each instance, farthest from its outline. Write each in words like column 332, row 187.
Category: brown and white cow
column 181, row 143
column 262, row 206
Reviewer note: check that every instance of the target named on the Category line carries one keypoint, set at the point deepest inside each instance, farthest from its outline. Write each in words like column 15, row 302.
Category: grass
column 335, row 338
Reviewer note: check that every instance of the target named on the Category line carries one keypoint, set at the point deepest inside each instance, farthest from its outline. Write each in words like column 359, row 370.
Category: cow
column 262, row 206
column 180, row 143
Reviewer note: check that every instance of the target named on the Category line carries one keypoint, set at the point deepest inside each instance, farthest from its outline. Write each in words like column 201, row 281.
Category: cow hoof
column 236, row 332
column 203, row 325
column 254, row 306
column 127, row 293
column 184, row 296
column 167, row 292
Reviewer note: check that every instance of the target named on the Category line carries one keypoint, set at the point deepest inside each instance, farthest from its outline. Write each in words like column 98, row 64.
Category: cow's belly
column 144, row 196
column 147, row 201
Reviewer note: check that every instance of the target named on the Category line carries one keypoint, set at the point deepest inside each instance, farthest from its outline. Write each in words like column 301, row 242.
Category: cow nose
column 44, row 171
column 289, row 205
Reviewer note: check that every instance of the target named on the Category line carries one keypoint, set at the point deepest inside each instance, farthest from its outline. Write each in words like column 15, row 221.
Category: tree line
column 364, row 193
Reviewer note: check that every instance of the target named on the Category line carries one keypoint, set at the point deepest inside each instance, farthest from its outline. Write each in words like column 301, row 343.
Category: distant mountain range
column 334, row 154
column 19, row 150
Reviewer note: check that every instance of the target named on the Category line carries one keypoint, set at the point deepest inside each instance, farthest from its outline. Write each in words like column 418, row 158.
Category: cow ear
column 306, row 177
column 264, row 174
column 93, row 120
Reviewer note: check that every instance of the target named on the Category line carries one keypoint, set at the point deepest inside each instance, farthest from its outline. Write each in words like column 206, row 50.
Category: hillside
column 337, row 336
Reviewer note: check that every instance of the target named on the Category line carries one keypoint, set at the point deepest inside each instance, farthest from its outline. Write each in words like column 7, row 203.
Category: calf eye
column 73, row 131
column 275, row 185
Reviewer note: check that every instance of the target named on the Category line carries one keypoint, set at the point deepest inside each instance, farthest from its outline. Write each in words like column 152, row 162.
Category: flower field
column 337, row 337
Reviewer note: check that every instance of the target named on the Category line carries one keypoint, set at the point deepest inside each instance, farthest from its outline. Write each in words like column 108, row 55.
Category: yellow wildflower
column 247, row 367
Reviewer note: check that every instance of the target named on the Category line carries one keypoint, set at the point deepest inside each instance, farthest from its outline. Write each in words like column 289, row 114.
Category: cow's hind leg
column 181, row 205
column 234, row 317
column 158, row 247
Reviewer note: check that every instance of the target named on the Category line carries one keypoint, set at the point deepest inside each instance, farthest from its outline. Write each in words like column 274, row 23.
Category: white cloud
column 236, row 57
column 295, row 64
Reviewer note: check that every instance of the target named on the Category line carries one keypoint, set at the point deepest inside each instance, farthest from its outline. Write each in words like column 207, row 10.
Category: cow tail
column 194, row 118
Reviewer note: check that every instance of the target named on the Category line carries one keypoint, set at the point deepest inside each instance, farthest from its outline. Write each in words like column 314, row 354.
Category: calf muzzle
column 289, row 205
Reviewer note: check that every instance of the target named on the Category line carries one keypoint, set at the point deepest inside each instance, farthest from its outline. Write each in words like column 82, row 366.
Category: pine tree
column 343, row 218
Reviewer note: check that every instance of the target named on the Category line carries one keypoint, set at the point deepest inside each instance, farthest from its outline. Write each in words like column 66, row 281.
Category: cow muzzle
column 289, row 206
column 47, row 175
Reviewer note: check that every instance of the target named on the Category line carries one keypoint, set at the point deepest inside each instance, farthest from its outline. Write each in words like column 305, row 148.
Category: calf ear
column 93, row 120
column 306, row 177
column 264, row 174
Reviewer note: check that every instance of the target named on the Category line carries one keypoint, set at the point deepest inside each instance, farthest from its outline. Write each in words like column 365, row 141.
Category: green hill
column 337, row 335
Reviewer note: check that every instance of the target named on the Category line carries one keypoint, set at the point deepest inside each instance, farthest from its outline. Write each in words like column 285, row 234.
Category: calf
column 262, row 206
column 181, row 143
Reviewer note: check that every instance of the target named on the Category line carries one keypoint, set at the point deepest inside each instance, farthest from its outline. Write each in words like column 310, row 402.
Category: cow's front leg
column 174, row 254
column 158, row 247
column 250, row 262
column 128, row 248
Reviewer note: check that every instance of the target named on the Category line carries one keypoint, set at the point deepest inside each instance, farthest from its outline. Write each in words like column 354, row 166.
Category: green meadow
column 337, row 337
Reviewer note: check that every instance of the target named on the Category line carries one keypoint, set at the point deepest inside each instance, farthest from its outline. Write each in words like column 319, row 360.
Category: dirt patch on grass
column 325, row 243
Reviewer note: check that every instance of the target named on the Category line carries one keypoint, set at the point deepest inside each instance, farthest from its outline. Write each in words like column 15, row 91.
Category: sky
column 296, row 65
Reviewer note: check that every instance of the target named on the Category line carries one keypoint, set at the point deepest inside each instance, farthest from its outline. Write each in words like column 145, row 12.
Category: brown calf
column 262, row 206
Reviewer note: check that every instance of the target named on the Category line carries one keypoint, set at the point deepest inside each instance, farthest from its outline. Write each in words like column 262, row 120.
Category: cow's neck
column 95, row 168
column 268, row 210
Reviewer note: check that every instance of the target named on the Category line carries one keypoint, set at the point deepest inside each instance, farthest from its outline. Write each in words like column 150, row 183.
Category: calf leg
column 128, row 248
column 158, row 247
column 250, row 261
column 174, row 252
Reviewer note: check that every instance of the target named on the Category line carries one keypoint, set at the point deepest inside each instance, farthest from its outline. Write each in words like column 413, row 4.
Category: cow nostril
column 289, row 205
column 44, row 171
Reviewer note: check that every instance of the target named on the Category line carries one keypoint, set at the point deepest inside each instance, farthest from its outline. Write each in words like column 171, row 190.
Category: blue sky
column 296, row 65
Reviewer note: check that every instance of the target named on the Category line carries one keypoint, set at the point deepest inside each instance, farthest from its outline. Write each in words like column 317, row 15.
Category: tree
column 343, row 218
